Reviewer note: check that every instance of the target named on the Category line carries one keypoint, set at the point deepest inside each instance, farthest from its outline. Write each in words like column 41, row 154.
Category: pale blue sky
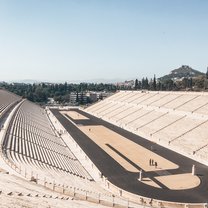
column 108, row 39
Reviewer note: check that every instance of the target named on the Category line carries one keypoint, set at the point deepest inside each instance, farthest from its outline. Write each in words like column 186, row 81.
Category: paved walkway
column 128, row 181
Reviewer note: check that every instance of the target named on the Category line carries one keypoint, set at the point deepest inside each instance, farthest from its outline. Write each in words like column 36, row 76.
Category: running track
column 128, row 181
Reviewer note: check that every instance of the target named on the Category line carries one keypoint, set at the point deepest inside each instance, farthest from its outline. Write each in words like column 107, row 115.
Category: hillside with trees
column 182, row 72
column 183, row 78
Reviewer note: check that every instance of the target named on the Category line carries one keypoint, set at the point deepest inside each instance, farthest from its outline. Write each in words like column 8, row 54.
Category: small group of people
column 152, row 163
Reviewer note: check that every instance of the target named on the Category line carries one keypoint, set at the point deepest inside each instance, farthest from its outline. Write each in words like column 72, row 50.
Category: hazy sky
column 107, row 39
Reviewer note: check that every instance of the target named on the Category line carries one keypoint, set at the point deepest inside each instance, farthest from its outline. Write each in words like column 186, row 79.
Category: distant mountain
column 30, row 81
column 105, row 81
column 181, row 72
column 25, row 81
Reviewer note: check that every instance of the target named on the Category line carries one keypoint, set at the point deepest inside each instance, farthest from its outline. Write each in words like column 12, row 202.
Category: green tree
column 154, row 83
column 136, row 85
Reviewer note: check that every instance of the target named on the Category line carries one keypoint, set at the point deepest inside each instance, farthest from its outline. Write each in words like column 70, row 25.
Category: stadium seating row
column 29, row 138
column 7, row 99
column 179, row 119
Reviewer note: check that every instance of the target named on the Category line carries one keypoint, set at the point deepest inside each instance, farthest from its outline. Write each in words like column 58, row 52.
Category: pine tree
column 146, row 83
column 143, row 83
column 191, row 82
column 154, row 83
column 136, row 85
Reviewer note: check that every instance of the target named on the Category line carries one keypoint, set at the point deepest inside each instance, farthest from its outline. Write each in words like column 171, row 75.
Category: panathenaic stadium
column 133, row 149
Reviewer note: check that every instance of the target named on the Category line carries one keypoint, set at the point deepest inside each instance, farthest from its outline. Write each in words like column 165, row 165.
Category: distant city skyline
column 63, row 40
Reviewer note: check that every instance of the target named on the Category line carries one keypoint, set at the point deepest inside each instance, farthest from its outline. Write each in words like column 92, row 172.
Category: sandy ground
column 179, row 181
column 140, row 156
column 74, row 115
column 134, row 152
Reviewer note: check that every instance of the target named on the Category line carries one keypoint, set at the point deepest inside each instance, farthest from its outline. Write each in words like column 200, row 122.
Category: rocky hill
column 181, row 72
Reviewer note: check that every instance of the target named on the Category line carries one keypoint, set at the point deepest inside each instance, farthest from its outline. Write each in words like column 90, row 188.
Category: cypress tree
column 154, row 83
